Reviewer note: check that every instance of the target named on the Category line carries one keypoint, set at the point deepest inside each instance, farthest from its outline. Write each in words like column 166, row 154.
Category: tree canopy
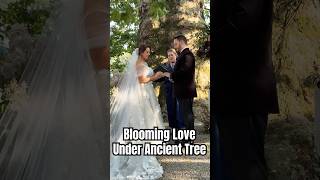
column 125, row 20
column 125, row 23
column 31, row 13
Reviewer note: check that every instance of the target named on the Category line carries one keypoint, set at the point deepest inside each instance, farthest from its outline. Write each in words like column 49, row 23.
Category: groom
column 184, row 86
column 244, row 88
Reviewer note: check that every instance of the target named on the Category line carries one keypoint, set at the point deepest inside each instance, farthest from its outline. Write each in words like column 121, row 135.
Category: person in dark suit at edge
column 244, row 88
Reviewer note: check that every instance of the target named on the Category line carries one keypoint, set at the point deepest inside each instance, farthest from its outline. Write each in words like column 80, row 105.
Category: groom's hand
column 167, row 74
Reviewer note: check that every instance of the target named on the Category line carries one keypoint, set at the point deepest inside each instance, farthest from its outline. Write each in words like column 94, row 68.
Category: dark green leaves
column 25, row 12
column 125, row 20
column 158, row 8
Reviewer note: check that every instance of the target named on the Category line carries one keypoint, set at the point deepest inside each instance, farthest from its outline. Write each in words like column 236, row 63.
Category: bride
column 135, row 105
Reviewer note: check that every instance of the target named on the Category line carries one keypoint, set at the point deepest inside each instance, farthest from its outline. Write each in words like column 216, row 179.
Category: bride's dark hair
column 142, row 48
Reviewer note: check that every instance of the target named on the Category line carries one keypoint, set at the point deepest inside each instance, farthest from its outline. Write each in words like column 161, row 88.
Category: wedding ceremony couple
column 60, row 131
column 135, row 105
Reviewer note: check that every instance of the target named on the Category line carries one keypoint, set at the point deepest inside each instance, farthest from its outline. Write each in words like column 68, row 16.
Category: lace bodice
column 144, row 70
column 149, row 72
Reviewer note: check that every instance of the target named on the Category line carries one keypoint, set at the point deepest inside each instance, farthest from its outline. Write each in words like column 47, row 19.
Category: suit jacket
column 184, row 75
column 165, row 67
column 242, row 74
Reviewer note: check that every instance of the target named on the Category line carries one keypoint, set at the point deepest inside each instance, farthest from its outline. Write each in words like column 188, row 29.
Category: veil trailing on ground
column 125, row 110
column 134, row 105
column 59, row 131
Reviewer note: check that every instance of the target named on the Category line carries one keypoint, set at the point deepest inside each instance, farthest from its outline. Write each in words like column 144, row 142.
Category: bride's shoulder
column 141, row 64
column 141, row 68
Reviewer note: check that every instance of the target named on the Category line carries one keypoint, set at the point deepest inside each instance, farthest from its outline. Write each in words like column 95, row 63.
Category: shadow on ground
column 290, row 150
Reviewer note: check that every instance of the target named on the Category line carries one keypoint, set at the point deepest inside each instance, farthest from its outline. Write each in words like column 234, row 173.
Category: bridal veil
column 58, row 132
column 134, row 105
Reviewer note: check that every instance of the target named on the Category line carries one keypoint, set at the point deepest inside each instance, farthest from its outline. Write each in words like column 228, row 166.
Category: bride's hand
column 159, row 74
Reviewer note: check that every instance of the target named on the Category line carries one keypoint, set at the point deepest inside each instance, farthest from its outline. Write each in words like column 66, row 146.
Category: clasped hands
column 162, row 74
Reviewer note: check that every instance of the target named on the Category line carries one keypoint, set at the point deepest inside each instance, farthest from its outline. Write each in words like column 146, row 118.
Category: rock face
column 296, row 47
column 183, row 17
column 290, row 145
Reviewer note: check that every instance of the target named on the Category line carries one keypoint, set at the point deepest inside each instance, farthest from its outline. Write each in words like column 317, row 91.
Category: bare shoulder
column 139, row 65
column 141, row 68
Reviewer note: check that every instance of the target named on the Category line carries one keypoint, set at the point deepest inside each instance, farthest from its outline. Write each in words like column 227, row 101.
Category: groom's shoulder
column 189, row 54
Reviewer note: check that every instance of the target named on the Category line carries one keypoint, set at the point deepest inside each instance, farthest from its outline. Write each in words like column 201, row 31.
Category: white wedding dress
column 60, row 131
column 134, row 105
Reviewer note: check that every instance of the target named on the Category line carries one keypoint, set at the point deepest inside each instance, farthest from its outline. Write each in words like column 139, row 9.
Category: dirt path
column 189, row 167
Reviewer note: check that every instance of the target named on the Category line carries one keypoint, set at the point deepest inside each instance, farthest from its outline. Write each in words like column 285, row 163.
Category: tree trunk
column 182, row 17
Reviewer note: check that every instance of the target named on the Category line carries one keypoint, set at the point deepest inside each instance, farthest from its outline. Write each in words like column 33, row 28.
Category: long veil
column 125, row 110
column 60, row 131
column 130, row 106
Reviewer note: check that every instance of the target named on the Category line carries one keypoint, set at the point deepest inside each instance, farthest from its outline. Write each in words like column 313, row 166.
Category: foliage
column 202, row 36
column 124, row 26
column 119, row 63
column 206, row 14
column 158, row 9
column 124, row 18
column 33, row 15
column 30, row 13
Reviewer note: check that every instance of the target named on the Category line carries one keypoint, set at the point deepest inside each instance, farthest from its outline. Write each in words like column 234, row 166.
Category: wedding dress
column 59, row 131
column 134, row 105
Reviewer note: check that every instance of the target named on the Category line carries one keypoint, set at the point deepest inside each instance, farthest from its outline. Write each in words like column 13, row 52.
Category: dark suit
column 244, row 87
column 184, row 88
column 170, row 99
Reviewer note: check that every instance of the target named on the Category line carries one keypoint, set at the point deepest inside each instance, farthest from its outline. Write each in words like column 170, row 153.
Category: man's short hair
column 181, row 38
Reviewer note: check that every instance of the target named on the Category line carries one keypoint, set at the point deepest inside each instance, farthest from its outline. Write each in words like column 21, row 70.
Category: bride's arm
column 145, row 79
column 97, row 31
